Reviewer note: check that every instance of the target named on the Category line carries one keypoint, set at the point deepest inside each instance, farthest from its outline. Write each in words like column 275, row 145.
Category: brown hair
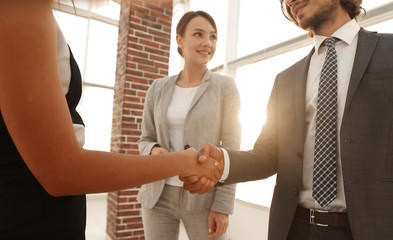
column 187, row 17
column 353, row 8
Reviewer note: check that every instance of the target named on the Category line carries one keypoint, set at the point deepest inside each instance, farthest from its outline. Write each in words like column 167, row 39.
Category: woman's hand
column 209, row 169
column 158, row 150
column 195, row 184
column 217, row 223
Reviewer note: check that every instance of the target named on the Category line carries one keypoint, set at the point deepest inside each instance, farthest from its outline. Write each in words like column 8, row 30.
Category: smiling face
column 312, row 14
column 198, row 42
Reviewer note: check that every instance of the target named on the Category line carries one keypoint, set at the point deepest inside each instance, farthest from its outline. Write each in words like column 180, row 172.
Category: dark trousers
column 301, row 230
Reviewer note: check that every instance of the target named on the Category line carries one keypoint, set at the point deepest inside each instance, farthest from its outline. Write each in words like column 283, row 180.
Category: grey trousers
column 162, row 222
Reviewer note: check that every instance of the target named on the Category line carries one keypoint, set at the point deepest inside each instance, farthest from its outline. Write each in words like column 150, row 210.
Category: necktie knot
column 329, row 42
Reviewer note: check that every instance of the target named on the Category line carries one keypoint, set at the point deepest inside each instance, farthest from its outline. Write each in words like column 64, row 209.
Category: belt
column 322, row 218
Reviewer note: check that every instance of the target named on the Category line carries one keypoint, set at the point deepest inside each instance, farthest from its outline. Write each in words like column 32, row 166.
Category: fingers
column 217, row 223
column 211, row 224
column 219, row 170
column 189, row 180
column 211, row 167
column 203, row 185
column 212, row 156
column 204, row 152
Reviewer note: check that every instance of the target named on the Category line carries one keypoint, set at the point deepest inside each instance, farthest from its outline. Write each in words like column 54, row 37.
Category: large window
column 92, row 36
column 261, row 24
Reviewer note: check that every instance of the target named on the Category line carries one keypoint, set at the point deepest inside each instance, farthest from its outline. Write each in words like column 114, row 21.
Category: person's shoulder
column 222, row 79
column 159, row 82
column 386, row 35
column 363, row 32
column 382, row 39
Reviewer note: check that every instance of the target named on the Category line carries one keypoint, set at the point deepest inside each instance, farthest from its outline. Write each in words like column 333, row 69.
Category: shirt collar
column 345, row 33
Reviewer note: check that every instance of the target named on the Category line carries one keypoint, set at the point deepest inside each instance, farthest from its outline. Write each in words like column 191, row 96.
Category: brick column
column 143, row 55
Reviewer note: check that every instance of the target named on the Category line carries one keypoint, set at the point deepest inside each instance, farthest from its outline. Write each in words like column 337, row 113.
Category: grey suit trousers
column 162, row 222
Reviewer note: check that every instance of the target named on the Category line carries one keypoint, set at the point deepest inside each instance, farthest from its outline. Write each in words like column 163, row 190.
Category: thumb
column 204, row 152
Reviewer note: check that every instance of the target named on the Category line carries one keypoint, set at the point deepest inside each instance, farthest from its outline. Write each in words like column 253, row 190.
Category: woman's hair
column 187, row 17
column 353, row 8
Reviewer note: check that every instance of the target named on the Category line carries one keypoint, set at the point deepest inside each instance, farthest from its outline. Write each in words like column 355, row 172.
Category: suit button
column 186, row 147
column 300, row 155
column 295, row 191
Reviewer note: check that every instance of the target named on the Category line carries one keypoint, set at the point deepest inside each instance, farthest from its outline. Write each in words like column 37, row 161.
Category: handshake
column 210, row 158
column 202, row 170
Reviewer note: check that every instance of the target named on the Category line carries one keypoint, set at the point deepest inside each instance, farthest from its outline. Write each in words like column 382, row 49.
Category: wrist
column 183, row 163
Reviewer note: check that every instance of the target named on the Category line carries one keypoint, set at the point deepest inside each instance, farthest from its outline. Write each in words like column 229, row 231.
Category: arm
column 258, row 163
column 35, row 112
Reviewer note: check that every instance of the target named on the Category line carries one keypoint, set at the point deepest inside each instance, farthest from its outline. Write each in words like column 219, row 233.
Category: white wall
column 249, row 221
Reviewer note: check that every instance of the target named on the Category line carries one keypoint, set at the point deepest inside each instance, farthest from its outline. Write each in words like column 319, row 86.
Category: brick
column 143, row 55
column 144, row 61
column 147, row 68
column 138, row 27
column 159, row 58
column 149, row 43
column 132, row 52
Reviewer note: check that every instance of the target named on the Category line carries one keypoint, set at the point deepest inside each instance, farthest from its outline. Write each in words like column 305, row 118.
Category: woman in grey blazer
column 182, row 111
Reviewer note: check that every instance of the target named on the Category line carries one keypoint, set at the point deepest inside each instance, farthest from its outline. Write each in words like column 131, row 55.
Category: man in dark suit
column 358, row 201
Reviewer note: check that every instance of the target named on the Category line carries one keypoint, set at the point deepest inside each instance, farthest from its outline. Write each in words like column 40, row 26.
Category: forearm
column 250, row 165
column 94, row 171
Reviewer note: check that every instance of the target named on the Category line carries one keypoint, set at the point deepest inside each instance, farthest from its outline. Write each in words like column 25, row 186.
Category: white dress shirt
column 346, row 49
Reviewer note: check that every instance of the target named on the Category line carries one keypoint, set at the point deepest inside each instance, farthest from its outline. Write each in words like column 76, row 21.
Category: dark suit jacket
column 366, row 142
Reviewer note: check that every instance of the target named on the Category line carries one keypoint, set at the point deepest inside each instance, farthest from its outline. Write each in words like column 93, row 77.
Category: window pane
column 110, row 10
column 75, row 32
column 370, row 4
column 102, row 51
column 96, row 110
column 255, row 82
column 261, row 25
column 383, row 27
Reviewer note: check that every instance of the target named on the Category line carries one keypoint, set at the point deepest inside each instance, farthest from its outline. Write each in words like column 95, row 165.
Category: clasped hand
column 208, row 155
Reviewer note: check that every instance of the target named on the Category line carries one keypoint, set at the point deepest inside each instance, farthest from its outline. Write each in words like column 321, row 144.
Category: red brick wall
column 143, row 55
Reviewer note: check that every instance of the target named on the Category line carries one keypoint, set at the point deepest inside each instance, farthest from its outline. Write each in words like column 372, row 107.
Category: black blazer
column 366, row 142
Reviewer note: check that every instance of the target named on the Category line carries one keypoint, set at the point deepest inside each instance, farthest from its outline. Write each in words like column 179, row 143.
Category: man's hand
column 194, row 184
column 217, row 223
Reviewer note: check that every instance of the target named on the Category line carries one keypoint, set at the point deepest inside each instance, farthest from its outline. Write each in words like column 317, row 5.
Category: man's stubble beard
column 321, row 16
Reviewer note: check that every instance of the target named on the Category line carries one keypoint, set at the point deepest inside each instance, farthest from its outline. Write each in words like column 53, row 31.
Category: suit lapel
column 201, row 90
column 367, row 42
column 167, row 92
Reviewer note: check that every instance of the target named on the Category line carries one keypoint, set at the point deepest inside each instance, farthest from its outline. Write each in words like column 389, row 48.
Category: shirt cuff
column 226, row 166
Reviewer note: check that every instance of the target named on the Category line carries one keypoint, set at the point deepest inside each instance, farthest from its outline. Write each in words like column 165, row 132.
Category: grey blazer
column 366, row 143
column 212, row 117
